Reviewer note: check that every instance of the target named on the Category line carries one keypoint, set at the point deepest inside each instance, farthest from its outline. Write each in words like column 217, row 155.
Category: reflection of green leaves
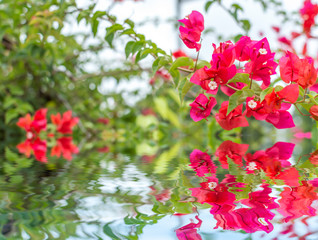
column 162, row 107
column 109, row 232
column 15, row 162
column 162, row 162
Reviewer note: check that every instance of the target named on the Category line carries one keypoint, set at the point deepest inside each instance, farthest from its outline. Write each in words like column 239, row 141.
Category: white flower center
column 213, row 85
column 29, row 135
column 264, row 63
column 251, row 166
column 262, row 51
column 262, row 221
column 212, row 185
column 252, row 104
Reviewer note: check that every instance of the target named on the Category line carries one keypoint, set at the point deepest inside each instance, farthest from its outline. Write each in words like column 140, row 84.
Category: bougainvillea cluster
column 36, row 127
column 243, row 71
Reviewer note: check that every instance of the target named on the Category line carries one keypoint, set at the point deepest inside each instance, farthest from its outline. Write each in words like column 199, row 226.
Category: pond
column 176, row 189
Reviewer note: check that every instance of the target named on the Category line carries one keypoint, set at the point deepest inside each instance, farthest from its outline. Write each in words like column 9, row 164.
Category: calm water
column 152, row 192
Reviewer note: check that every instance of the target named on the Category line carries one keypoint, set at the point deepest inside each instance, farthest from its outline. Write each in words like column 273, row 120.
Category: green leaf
column 246, row 25
column 246, row 93
column 155, row 65
column 128, row 32
column 181, row 62
column 203, row 63
column 265, row 92
column 256, row 88
column 142, row 54
column 130, row 23
column 95, row 22
column 137, row 46
column 301, row 91
column 208, row 5
column 110, row 32
column 11, row 114
column 233, row 101
column 240, row 77
column 278, row 88
column 184, row 88
column 175, row 76
column 109, row 39
column 129, row 48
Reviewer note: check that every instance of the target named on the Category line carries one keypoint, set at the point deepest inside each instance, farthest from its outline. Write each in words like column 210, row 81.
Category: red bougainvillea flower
column 201, row 163
column 35, row 125
column 201, row 107
column 314, row 112
column 35, row 146
column 294, row 69
column 190, row 34
column 233, row 120
column 272, row 109
column 232, row 150
column 262, row 64
column 179, row 53
column 189, row 231
column 296, row 202
column 64, row 147
column 256, row 109
column 221, row 71
column 278, row 114
column 243, row 48
column 66, row 123
column 308, row 14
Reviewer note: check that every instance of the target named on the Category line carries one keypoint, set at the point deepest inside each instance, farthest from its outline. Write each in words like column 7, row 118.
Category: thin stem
column 233, row 88
column 185, row 70
column 196, row 61
column 300, row 111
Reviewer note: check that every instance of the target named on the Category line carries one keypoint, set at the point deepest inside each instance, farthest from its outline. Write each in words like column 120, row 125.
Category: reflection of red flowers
column 35, row 125
column 103, row 120
column 64, row 147
column 66, row 123
column 296, row 201
column 234, row 151
column 103, row 149
column 35, row 146
column 189, row 231
column 314, row 157
column 201, row 163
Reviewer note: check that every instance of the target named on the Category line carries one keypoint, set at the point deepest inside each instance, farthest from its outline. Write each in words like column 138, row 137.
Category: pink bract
column 233, row 120
column 201, row 107
column 190, row 34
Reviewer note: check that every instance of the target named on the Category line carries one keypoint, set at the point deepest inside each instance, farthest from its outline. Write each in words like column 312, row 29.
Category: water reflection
column 246, row 191
column 59, row 135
